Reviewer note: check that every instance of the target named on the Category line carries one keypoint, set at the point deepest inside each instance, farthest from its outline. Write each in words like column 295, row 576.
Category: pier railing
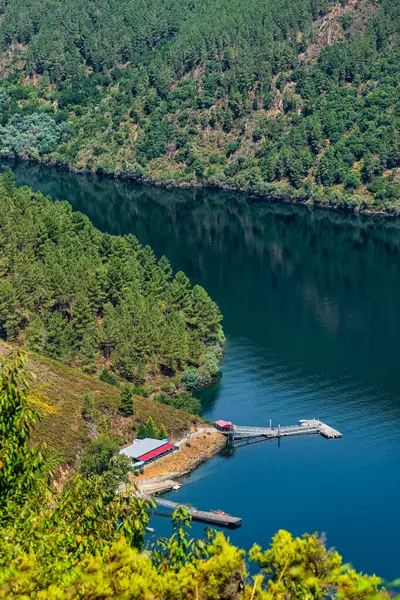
column 307, row 427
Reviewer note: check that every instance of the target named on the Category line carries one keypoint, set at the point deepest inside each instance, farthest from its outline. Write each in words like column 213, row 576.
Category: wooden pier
column 305, row 427
column 212, row 517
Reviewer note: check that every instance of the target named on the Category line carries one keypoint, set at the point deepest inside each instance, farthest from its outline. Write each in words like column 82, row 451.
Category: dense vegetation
column 295, row 99
column 88, row 542
column 80, row 296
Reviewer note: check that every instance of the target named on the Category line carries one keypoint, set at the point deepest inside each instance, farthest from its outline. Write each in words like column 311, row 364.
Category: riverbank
column 331, row 199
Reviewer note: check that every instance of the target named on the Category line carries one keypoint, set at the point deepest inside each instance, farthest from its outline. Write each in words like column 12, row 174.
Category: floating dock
column 212, row 517
column 305, row 427
column 325, row 430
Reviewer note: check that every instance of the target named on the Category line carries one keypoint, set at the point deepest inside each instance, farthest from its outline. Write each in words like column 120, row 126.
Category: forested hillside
column 295, row 99
column 72, row 293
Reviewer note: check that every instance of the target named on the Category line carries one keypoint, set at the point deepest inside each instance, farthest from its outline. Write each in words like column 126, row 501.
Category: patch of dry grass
column 57, row 390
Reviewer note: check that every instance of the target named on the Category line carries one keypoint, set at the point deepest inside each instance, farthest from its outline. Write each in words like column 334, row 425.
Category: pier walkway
column 213, row 517
column 306, row 427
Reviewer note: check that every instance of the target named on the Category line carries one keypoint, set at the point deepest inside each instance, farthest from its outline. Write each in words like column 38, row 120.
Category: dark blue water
column 311, row 315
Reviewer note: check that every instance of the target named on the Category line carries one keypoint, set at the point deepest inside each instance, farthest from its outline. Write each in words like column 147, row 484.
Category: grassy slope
column 58, row 391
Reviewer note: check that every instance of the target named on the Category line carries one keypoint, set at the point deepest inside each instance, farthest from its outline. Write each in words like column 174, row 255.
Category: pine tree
column 125, row 360
column 8, row 308
column 111, row 329
column 96, row 289
column 134, row 278
column 57, row 344
column 175, row 346
column 88, row 354
column 204, row 315
column 9, row 183
column 196, row 349
column 143, row 338
column 152, row 429
column 115, row 280
column 36, row 334
column 109, row 378
column 178, row 293
column 126, row 405
column 162, row 433
column 153, row 277
column 83, row 321
column 42, row 241
column 166, row 269
column 142, row 432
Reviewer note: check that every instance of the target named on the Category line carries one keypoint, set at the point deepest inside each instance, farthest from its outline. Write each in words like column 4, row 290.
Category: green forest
column 72, row 293
column 294, row 100
column 87, row 541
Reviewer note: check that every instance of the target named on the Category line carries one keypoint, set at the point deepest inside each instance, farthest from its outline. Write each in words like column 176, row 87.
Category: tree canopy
column 75, row 294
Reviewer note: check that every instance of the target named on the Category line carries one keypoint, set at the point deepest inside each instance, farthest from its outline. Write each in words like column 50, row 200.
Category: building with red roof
column 157, row 452
column 144, row 451
column 223, row 425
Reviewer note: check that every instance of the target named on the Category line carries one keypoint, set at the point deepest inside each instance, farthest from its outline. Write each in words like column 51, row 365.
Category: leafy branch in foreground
column 22, row 465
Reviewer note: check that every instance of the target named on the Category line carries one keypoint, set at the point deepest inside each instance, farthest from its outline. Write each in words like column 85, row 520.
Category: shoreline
column 193, row 450
column 274, row 196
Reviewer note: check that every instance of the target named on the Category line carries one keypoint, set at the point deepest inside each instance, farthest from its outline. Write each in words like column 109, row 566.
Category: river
column 312, row 319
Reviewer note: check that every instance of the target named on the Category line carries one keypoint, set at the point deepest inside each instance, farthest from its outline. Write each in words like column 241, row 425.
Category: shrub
column 185, row 401
column 107, row 377
column 89, row 411
column 168, row 387
column 352, row 181
column 191, row 378
column 138, row 390
column 32, row 134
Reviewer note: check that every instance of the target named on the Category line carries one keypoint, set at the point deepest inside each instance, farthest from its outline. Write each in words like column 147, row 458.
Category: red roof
column 223, row 424
column 156, row 452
